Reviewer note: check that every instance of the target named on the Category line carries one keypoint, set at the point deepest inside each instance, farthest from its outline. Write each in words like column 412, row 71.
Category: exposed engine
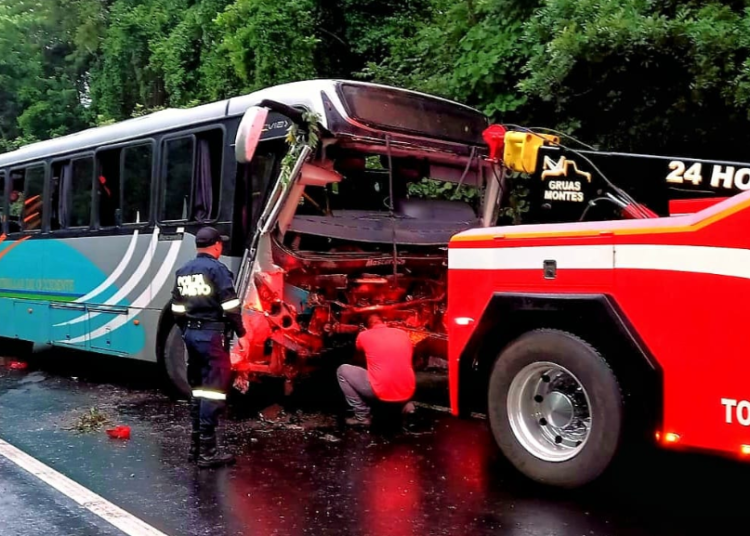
column 317, row 302
column 334, row 259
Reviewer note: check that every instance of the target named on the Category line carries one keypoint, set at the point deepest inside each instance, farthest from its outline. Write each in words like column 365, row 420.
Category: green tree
column 191, row 59
column 125, row 74
column 268, row 42
column 641, row 75
column 665, row 76
column 471, row 51
column 43, row 69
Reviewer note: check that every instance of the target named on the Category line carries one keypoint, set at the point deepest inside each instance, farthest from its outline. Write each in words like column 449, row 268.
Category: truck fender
column 597, row 318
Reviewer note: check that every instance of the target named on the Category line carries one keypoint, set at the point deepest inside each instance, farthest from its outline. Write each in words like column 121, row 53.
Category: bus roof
column 308, row 94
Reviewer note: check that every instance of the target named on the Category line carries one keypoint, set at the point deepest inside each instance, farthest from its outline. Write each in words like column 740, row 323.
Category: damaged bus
column 339, row 199
column 355, row 220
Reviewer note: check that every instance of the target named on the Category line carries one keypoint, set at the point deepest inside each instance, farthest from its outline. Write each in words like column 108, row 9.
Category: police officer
column 207, row 311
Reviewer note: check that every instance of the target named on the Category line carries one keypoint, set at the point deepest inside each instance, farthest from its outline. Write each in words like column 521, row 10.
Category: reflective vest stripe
column 179, row 309
column 230, row 304
column 208, row 394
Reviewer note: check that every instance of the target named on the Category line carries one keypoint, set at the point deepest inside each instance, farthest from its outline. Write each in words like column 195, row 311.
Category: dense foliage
column 667, row 76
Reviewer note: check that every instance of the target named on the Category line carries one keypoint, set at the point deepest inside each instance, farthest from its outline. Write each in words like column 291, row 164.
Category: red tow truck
column 627, row 322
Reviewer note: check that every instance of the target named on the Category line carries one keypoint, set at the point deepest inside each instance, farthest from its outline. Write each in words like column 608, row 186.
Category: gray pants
column 357, row 389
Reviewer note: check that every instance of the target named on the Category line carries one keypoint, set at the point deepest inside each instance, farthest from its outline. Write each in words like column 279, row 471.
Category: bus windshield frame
column 397, row 110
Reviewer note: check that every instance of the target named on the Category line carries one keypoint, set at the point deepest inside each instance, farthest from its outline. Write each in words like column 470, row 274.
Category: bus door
column 260, row 148
column 259, row 156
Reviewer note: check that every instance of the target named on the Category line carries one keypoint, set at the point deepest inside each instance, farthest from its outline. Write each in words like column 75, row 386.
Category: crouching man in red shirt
column 389, row 376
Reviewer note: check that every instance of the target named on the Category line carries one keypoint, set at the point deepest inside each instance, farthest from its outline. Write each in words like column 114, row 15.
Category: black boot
column 195, row 436
column 195, row 445
column 210, row 455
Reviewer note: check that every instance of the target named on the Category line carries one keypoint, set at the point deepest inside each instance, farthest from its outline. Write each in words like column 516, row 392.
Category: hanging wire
column 466, row 171
column 564, row 135
column 392, row 206
column 636, row 206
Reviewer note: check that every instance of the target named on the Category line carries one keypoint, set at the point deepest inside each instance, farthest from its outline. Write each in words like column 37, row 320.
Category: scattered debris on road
column 331, row 438
column 119, row 432
column 271, row 414
column 13, row 364
column 91, row 421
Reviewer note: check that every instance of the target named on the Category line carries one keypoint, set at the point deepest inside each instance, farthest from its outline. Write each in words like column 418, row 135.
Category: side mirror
column 248, row 135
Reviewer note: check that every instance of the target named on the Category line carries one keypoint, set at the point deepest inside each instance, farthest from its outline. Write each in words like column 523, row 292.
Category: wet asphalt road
column 299, row 472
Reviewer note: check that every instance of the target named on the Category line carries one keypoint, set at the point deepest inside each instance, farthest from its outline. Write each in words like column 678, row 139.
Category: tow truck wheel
column 555, row 408
column 175, row 364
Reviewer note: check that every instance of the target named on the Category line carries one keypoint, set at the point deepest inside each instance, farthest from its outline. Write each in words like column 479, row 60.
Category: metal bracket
column 550, row 269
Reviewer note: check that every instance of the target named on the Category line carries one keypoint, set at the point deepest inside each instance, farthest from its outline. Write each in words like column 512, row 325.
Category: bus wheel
column 555, row 408
column 175, row 364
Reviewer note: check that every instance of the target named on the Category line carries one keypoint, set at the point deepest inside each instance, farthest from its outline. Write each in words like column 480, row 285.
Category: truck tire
column 555, row 408
column 175, row 364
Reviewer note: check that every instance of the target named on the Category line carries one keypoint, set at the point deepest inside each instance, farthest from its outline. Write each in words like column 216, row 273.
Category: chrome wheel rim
column 549, row 411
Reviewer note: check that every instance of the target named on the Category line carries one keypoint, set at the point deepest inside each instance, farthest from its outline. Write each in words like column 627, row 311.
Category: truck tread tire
column 605, row 405
column 175, row 364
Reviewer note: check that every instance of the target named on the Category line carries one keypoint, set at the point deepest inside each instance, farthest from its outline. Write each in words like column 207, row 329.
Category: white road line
column 126, row 522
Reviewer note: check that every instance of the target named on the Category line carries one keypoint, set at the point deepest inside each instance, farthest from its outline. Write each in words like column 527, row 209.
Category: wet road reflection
column 302, row 473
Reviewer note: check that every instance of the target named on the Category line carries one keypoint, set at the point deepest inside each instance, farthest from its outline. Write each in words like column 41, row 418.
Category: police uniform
column 207, row 310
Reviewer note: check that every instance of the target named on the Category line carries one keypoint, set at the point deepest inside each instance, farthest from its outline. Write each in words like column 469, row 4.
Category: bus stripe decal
column 115, row 274
column 13, row 293
column 12, row 245
column 133, row 282
column 142, row 301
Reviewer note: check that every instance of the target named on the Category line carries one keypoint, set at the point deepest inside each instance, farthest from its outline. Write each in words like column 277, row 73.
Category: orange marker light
column 671, row 437
column 658, row 436
column 745, row 449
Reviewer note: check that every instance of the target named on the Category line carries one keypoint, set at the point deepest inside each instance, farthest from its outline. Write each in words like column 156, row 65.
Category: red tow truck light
column 669, row 437
column 494, row 136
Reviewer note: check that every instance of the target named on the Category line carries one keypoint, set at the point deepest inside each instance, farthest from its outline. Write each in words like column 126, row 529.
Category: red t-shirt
column 389, row 362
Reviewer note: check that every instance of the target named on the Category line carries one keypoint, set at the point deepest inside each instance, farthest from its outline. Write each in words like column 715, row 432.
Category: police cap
column 208, row 236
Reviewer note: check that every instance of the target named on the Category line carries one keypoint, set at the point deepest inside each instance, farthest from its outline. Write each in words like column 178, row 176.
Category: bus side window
column 33, row 201
column 15, row 200
column 136, row 183
column 108, row 186
column 60, row 173
column 70, row 193
column 208, row 166
column 264, row 168
column 79, row 195
column 179, row 155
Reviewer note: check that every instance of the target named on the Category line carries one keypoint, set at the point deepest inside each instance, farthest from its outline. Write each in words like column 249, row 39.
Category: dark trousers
column 357, row 390
column 209, row 376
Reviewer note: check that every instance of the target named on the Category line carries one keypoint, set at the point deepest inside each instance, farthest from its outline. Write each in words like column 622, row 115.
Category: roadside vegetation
column 667, row 76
